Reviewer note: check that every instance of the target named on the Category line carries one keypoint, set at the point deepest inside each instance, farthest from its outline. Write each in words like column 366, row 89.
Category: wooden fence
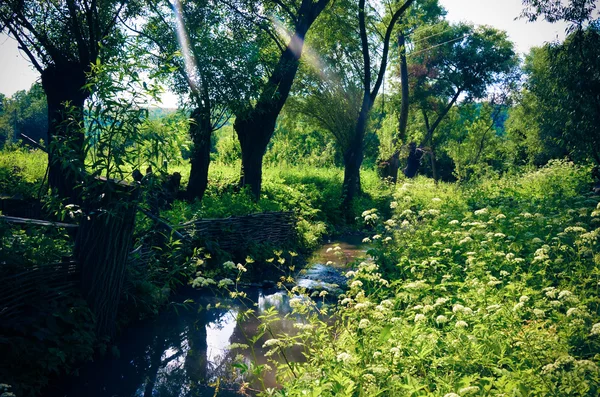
column 21, row 290
column 235, row 233
column 36, row 283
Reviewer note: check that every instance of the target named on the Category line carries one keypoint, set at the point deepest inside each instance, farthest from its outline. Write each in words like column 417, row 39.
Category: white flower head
column 344, row 357
column 468, row 390
column 441, row 319
column 364, row 323
column 461, row 324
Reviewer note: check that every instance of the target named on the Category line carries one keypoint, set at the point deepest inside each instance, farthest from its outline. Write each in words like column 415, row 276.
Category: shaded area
column 181, row 353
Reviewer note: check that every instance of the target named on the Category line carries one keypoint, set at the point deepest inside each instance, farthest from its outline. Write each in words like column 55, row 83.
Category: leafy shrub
column 475, row 290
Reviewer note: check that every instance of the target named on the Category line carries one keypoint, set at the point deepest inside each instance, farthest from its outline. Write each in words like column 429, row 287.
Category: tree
column 62, row 40
column 423, row 12
column 451, row 61
column 565, row 81
column 353, row 155
column 213, row 70
column 255, row 121
column 576, row 12
column 25, row 112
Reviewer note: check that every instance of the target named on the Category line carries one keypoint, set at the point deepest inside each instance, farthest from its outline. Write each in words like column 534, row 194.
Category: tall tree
column 353, row 156
column 62, row 39
column 450, row 62
column 423, row 12
column 565, row 81
column 255, row 122
column 213, row 69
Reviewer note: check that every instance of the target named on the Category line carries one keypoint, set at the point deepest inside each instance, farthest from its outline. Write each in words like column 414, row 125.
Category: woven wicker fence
column 235, row 233
column 23, row 290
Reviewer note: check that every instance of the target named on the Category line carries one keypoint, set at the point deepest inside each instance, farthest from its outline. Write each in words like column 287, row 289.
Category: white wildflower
column 241, row 268
column 271, row 342
column 441, row 319
column 564, row 294
column 468, row 390
column 461, row 324
column 364, row 323
column 225, row 282
column 419, row 317
column 344, row 357
column 229, row 265
column 539, row 313
column 356, row 284
column 524, row 299
column 573, row 311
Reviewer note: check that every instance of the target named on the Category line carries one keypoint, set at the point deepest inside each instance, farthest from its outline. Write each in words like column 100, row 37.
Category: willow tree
column 286, row 23
column 62, row 39
column 207, row 63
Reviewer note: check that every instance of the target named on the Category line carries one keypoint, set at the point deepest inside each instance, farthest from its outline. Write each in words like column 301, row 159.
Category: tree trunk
column 253, row 151
column 200, row 132
column 434, row 165
column 414, row 161
column 66, row 96
column 255, row 126
column 353, row 156
column 394, row 161
column 102, row 246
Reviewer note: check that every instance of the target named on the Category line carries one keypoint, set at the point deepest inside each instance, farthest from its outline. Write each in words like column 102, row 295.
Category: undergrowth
column 488, row 289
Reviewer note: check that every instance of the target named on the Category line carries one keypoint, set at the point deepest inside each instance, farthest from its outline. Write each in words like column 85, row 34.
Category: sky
column 16, row 73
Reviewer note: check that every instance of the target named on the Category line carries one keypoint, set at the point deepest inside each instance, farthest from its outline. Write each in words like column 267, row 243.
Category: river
column 186, row 349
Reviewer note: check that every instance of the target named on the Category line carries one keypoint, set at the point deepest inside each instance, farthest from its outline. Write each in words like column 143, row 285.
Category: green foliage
column 53, row 342
column 487, row 289
column 474, row 144
column 115, row 117
column 227, row 146
column 50, row 337
column 314, row 194
column 563, row 78
column 21, row 171
column 295, row 143
column 25, row 112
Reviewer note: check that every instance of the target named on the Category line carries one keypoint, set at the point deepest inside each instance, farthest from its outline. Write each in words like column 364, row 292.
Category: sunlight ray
column 184, row 42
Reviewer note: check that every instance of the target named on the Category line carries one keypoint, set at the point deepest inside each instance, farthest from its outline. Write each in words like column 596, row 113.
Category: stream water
column 182, row 352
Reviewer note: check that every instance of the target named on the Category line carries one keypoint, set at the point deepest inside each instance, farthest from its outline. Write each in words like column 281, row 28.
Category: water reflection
column 184, row 353
column 350, row 248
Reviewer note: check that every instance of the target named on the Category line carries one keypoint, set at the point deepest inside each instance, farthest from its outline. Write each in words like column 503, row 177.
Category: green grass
column 488, row 289
column 21, row 171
